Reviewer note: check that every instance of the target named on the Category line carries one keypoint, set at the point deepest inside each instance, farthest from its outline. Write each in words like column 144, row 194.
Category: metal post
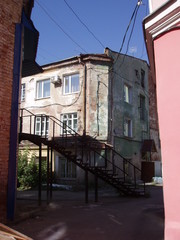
column 39, row 189
column 135, row 177
column 30, row 123
column 34, row 124
column 53, row 129
column 96, row 188
column 124, row 170
column 86, row 186
column 51, row 176
column 48, row 175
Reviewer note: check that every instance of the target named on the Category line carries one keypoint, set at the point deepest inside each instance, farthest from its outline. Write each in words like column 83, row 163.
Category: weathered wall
column 153, row 119
column 127, row 70
column 97, row 92
column 97, row 101
column 58, row 103
column 10, row 14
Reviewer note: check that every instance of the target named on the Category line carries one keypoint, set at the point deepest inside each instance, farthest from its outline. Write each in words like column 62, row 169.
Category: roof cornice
column 163, row 19
column 101, row 58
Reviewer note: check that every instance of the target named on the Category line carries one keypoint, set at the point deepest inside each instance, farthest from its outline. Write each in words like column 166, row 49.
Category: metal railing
column 87, row 151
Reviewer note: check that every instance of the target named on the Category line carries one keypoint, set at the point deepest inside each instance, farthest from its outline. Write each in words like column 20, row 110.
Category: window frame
column 23, row 92
column 130, row 129
column 142, row 78
column 128, row 95
column 45, row 122
column 68, row 119
column 69, row 76
column 42, row 88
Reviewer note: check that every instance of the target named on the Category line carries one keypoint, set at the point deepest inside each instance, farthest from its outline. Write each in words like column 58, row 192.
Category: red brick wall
column 10, row 14
column 153, row 118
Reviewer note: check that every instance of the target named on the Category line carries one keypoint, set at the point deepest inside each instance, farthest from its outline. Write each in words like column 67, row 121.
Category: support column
column 86, row 186
column 48, row 175
column 40, row 179
column 51, row 176
column 96, row 188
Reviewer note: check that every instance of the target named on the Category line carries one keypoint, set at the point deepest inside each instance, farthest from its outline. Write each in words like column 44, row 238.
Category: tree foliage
column 28, row 170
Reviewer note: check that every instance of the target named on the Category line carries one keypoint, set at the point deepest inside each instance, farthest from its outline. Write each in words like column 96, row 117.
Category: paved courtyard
column 67, row 217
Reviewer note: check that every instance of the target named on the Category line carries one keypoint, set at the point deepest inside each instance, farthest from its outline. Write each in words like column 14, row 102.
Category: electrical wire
column 135, row 16
column 60, row 27
column 84, row 24
column 124, row 38
column 146, row 12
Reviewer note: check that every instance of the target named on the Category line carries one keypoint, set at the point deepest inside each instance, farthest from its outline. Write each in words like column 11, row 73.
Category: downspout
column 84, row 94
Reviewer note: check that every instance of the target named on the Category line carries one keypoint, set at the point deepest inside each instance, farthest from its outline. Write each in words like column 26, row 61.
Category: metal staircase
column 86, row 152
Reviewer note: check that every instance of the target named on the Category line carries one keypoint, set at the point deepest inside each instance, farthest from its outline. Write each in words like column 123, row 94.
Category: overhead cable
column 130, row 36
column 84, row 24
column 124, row 38
column 60, row 27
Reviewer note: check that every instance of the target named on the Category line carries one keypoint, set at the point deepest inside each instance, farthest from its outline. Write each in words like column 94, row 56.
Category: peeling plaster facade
column 99, row 103
column 135, row 73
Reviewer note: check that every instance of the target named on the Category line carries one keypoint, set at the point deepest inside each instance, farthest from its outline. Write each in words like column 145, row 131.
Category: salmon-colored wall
column 167, row 61
column 155, row 4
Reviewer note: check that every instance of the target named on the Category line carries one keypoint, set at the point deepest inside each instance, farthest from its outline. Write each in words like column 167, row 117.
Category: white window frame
column 69, row 78
column 23, row 92
column 45, row 123
column 70, row 119
column 42, row 88
column 128, row 127
column 127, row 94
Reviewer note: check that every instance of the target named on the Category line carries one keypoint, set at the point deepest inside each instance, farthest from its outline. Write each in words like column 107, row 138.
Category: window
column 71, row 84
column 100, row 158
column 137, row 73
column 69, row 120
column 142, row 107
column 42, row 126
column 128, row 127
column 142, row 78
column 23, row 88
column 67, row 169
column 127, row 94
column 43, row 89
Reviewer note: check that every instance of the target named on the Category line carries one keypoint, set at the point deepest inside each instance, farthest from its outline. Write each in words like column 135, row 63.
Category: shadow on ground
column 67, row 217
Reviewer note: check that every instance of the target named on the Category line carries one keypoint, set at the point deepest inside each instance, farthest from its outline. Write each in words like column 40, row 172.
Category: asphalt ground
column 68, row 217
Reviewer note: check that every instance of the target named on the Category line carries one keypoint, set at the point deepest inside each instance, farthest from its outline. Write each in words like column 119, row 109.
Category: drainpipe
column 84, row 94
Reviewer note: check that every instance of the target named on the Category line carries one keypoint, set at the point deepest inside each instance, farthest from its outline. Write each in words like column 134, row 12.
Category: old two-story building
column 102, row 96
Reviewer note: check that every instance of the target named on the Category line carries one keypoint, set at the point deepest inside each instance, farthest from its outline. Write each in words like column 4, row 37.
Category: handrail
column 123, row 157
column 73, row 133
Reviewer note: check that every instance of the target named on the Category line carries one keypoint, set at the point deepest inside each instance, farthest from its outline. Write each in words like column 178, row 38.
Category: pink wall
column 155, row 4
column 167, row 61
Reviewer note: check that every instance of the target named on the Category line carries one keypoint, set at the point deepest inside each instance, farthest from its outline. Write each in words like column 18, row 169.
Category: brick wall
column 10, row 14
column 153, row 118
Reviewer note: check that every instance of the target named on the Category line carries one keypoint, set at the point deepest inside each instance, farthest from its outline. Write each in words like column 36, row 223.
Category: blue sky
column 107, row 19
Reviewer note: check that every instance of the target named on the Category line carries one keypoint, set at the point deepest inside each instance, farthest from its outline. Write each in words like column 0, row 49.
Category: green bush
column 28, row 170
